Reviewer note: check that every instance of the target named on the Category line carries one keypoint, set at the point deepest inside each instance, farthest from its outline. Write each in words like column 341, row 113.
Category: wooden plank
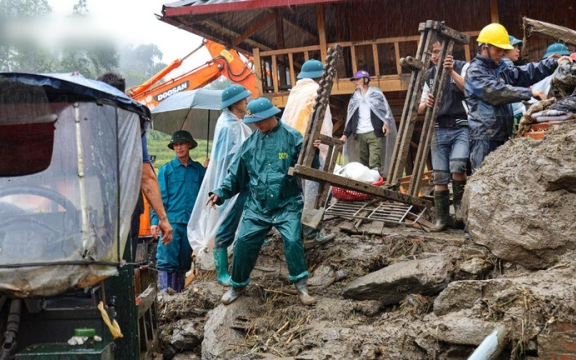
column 292, row 72
column 321, row 30
column 494, row 11
column 346, row 183
column 376, row 60
column 292, row 50
column 353, row 55
column 397, row 58
column 274, row 74
column 258, row 71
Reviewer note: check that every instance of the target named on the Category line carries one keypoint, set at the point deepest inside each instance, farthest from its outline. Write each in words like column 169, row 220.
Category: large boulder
column 391, row 284
column 520, row 203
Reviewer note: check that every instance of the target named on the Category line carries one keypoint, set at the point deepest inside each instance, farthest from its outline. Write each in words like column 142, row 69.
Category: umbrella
column 196, row 111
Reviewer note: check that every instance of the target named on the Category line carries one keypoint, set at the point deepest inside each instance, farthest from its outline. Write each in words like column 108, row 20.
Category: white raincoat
column 378, row 104
column 204, row 221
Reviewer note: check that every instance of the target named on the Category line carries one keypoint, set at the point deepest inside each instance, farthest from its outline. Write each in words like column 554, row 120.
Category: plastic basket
column 352, row 195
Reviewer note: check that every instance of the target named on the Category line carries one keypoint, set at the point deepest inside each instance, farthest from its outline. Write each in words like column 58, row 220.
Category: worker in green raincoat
column 275, row 198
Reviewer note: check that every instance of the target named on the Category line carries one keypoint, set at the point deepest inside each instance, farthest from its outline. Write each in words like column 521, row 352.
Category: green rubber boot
column 458, row 189
column 221, row 265
column 303, row 295
column 232, row 294
column 441, row 209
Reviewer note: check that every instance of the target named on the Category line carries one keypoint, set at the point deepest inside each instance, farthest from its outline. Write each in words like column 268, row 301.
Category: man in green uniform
column 275, row 198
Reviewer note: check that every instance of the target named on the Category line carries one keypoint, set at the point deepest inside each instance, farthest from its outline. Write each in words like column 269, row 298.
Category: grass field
column 158, row 147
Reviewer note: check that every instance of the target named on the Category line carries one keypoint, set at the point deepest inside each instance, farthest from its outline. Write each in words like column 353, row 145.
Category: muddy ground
column 442, row 319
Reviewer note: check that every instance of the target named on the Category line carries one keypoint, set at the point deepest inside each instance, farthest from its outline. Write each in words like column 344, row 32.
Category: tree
column 140, row 63
column 22, row 54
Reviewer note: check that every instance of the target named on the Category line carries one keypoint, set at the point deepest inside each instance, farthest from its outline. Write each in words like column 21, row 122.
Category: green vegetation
column 157, row 145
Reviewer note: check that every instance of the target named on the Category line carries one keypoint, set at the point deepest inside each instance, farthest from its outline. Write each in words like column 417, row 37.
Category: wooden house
column 281, row 35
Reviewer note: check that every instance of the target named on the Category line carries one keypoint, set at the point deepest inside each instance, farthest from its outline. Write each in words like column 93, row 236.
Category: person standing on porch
column 370, row 124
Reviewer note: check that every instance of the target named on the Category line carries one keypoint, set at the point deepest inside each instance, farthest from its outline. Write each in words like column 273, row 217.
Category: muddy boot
column 441, row 209
column 163, row 280
column 232, row 295
column 303, row 295
column 458, row 190
column 221, row 265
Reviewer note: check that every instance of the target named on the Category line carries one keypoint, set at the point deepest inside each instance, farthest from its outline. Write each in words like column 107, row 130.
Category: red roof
column 211, row 6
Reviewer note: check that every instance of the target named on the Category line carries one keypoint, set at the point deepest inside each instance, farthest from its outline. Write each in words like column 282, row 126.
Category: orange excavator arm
column 225, row 62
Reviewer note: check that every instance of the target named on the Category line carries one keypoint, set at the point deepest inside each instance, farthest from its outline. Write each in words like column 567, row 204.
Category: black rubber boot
column 441, row 209
column 458, row 189
column 232, row 295
column 303, row 295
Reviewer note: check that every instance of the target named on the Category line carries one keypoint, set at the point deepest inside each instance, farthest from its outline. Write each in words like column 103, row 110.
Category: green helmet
column 260, row 109
column 182, row 136
column 312, row 69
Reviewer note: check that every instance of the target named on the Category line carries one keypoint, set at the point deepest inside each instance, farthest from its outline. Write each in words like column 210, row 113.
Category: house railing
column 380, row 57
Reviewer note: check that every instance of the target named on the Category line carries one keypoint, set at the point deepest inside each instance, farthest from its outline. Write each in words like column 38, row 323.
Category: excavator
column 225, row 62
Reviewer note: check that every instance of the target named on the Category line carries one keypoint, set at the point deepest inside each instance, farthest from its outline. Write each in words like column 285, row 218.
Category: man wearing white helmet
column 491, row 86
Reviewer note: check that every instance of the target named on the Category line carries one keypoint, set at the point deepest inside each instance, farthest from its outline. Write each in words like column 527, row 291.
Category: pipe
column 12, row 326
column 491, row 346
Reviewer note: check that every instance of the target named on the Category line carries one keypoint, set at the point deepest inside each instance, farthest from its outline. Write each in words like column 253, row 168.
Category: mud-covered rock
column 391, row 284
column 520, row 203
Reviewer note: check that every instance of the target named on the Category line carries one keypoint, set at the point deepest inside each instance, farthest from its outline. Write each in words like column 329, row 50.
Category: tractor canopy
column 70, row 174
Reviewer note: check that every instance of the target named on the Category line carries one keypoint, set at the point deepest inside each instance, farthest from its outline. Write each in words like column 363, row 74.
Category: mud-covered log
column 556, row 32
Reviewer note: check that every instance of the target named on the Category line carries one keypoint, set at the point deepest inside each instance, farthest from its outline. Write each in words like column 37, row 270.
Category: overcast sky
column 133, row 21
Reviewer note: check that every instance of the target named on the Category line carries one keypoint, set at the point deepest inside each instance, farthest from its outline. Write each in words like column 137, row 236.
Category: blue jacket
column 179, row 186
column 490, row 88
column 263, row 162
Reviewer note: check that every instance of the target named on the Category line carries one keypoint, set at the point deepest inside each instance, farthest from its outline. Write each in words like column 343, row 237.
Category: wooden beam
column 494, row 11
column 321, row 31
column 376, row 60
column 301, row 29
column 234, row 34
column 255, row 28
column 258, row 71
column 292, row 72
column 555, row 32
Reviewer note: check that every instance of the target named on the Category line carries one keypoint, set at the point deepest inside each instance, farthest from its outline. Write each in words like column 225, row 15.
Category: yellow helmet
column 495, row 34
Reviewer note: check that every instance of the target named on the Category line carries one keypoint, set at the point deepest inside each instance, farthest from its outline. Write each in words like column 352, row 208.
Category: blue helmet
column 556, row 48
column 312, row 69
column 514, row 41
column 260, row 109
column 232, row 94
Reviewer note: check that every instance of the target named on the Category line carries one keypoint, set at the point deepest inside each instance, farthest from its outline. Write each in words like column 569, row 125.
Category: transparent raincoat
column 229, row 135
column 70, row 172
column 378, row 104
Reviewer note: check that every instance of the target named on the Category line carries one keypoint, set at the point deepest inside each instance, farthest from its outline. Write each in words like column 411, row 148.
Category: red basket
column 351, row 195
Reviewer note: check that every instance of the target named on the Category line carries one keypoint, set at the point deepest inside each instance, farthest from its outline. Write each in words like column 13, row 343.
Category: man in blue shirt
column 180, row 181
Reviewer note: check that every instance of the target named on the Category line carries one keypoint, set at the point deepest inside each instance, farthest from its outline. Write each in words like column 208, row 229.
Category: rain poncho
column 297, row 113
column 229, row 135
column 275, row 200
column 379, row 106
